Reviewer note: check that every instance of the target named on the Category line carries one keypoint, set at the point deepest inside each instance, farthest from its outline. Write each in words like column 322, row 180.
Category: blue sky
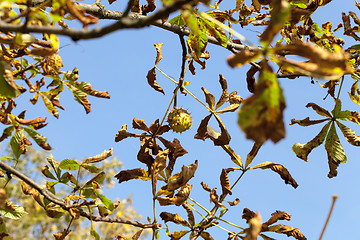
column 119, row 63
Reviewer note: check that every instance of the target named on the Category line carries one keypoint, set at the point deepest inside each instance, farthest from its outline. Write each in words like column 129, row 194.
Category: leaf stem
column 341, row 83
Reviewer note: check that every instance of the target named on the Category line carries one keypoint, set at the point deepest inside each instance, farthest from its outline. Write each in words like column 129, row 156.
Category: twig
column 329, row 215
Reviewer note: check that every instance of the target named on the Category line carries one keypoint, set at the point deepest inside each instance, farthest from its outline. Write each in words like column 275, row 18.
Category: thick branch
column 53, row 198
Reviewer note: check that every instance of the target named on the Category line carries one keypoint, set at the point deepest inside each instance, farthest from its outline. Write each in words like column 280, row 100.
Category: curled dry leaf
column 139, row 124
column 319, row 110
column 279, row 169
column 289, row 231
column 276, row 216
column 349, row 134
column 158, row 47
column 151, row 77
column 175, row 218
column 250, row 79
column 224, row 96
column 205, row 187
column 247, row 214
column 234, row 203
column 100, row 157
column 215, row 199
column 307, row 122
column 180, row 179
column 224, row 180
column 79, row 13
column 190, row 214
column 137, row 173
column 202, row 129
column 158, row 165
column 303, row 150
column 242, row 57
column 122, row 134
column 137, row 234
column 178, row 199
column 206, row 236
column 209, row 98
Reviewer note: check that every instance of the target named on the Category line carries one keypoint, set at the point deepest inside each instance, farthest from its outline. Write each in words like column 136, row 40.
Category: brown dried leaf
column 144, row 155
column 176, row 150
column 206, row 236
column 175, row 218
column 205, row 187
column 224, row 137
column 137, row 234
column 178, row 199
column 122, row 134
column 210, row 99
column 247, row 214
column 137, row 173
column 319, row 110
column 61, row 235
column 202, row 129
column 276, row 216
column 252, row 154
column 224, row 180
column 242, row 57
column 158, row 47
column 224, row 96
column 289, row 231
column 191, row 218
column 307, row 122
column 234, row 203
column 231, row 108
column 100, row 157
column 279, row 169
column 215, row 199
column 181, row 178
column 34, row 122
column 79, row 13
column 158, row 165
column 139, row 124
column 42, row 51
column 151, row 77
column 150, row 7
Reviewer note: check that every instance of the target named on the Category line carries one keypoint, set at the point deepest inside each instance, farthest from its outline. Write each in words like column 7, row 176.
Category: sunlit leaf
column 12, row 211
column 175, row 218
column 335, row 151
column 279, row 169
column 8, row 87
column 151, row 77
column 69, row 164
column 38, row 138
column 137, row 173
column 303, row 150
column 100, row 157
column 261, row 115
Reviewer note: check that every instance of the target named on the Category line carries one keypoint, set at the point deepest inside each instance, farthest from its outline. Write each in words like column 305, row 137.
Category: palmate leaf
column 261, row 115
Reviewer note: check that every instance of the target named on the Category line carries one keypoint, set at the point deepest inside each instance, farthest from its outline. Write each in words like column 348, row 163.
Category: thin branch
column 329, row 215
column 61, row 202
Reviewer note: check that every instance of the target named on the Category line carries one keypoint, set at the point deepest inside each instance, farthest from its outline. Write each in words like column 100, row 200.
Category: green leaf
column 303, row 150
column 38, row 138
column 17, row 143
column 178, row 234
column 91, row 168
column 333, row 146
column 13, row 212
column 49, row 106
column 107, row 202
column 261, row 115
column 8, row 87
column 69, row 164
column 178, row 20
column 54, row 164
